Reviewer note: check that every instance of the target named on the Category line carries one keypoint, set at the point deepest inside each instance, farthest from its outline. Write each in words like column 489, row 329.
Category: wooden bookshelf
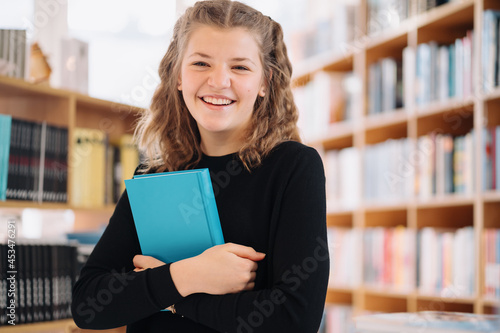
column 68, row 109
column 456, row 116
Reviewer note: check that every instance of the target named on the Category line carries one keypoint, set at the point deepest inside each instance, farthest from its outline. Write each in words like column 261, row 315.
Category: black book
column 21, row 290
column 3, row 284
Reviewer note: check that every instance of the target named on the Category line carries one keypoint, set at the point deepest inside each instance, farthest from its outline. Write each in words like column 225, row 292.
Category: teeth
column 217, row 101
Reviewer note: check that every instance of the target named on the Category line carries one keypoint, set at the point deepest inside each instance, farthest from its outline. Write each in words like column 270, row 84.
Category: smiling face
column 221, row 77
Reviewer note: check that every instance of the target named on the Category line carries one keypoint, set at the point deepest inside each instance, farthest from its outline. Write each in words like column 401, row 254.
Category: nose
column 219, row 78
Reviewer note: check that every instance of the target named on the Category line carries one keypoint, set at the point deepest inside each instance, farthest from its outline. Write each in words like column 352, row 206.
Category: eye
column 241, row 68
column 200, row 64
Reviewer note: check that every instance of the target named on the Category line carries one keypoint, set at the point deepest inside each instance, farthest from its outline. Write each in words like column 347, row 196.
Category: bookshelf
column 71, row 110
column 466, row 110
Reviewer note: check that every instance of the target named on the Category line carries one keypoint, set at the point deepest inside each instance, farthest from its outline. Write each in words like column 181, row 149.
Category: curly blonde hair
column 168, row 135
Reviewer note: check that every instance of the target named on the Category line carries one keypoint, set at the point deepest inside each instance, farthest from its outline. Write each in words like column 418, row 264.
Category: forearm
column 279, row 309
column 107, row 300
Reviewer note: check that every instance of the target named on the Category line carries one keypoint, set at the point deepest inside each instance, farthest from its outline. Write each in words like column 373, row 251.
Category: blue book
column 175, row 213
column 5, row 126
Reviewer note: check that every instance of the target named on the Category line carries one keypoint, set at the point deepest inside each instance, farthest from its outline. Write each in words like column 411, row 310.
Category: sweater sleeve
column 300, row 266
column 108, row 292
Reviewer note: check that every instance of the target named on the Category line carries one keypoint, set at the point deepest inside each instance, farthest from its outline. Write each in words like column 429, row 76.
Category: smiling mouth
column 217, row 101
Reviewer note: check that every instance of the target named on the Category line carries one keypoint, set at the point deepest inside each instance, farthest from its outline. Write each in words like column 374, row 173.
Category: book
column 75, row 65
column 5, row 126
column 428, row 322
column 175, row 213
column 45, row 274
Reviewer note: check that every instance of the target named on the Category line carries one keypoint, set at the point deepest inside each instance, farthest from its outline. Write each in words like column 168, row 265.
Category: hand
column 144, row 262
column 222, row 269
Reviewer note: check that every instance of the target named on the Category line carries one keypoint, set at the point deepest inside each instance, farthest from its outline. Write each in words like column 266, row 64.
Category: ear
column 262, row 91
column 179, row 84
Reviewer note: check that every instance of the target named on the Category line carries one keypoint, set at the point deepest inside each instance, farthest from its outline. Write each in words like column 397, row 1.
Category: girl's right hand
column 222, row 269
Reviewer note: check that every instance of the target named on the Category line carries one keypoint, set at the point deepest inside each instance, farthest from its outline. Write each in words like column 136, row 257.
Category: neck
column 220, row 144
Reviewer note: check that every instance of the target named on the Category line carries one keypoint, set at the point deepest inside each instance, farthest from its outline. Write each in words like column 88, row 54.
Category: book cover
column 175, row 213
column 427, row 321
column 5, row 126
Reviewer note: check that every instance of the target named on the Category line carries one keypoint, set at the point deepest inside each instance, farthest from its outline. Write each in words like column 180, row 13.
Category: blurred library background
column 400, row 97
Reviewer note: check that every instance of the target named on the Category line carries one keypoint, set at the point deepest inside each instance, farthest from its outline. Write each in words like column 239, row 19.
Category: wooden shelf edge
column 492, row 95
column 461, row 300
column 441, row 12
column 43, row 89
column 491, row 196
column 386, row 206
column 330, row 60
column 340, row 289
column 386, row 292
column 385, row 119
column 18, row 204
column 379, row 39
column 438, row 107
column 45, row 326
column 451, row 200
column 33, row 88
column 340, row 135
column 113, row 106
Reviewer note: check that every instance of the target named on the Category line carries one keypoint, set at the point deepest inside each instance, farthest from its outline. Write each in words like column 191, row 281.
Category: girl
column 224, row 103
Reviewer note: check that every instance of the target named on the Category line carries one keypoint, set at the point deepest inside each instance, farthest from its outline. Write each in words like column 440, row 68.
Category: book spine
column 211, row 210
column 5, row 139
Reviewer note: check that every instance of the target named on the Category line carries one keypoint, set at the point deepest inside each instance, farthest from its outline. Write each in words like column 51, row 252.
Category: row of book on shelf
column 432, row 73
column 341, row 318
column 33, row 159
column 434, row 261
column 100, row 165
column 437, row 164
column 37, row 279
column 34, row 163
column 337, row 318
column 388, row 14
column 327, row 99
column 319, row 26
column 19, row 59
column 331, row 26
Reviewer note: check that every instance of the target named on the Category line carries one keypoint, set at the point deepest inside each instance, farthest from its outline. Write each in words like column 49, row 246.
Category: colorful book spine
column 444, row 71
column 344, row 256
column 390, row 258
column 492, row 264
column 446, row 261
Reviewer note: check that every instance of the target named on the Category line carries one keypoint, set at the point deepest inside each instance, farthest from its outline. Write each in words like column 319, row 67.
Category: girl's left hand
column 144, row 262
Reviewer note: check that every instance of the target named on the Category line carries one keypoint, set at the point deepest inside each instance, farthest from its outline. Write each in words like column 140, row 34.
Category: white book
column 409, row 84
column 428, row 263
column 75, row 65
column 428, row 322
column 444, row 73
column 350, row 177
column 389, row 84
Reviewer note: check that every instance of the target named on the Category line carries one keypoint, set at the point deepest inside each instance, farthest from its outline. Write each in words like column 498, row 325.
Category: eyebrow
column 203, row 55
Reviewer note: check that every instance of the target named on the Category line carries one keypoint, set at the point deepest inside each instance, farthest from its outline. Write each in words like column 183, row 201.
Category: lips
column 218, row 101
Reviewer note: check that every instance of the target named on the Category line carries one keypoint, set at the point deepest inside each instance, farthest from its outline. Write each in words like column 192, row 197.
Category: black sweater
column 278, row 209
